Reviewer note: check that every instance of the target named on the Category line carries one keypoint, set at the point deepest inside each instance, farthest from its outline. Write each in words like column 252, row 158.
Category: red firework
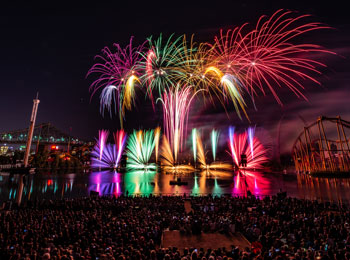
column 268, row 57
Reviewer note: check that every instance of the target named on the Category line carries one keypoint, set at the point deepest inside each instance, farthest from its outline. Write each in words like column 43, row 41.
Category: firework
column 239, row 145
column 214, row 142
column 215, row 71
column 119, row 140
column 231, row 86
column 240, row 63
column 156, row 140
column 231, row 89
column 139, row 150
column 117, row 72
column 251, row 132
column 194, row 144
column 227, row 50
column 108, row 155
column 176, row 104
column 195, row 60
column 204, row 166
column 166, row 153
column 103, row 136
column 267, row 57
column 162, row 64
column 129, row 93
column 169, row 164
column 108, row 97
column 201, row 153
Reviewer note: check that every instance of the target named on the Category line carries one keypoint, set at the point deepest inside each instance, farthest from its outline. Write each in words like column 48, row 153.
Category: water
column 56, row 186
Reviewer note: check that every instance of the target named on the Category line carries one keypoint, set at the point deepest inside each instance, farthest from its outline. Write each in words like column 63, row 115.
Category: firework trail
column 201, row 153
column 119, row 140
column 156, row 141
column 251, row 132
column 231, row 89
column 108, row 97
column 176, row 104
column 108, row 155
column 169, row 165
column 167, row 153
column 194, row 144
column 202, row 159
column 140, row 147
column 129, row 93
column 239, row 144
column 117, row 72
column 214, row 142
column 103, row 136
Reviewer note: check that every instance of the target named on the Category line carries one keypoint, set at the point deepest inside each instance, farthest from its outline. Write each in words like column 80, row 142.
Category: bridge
column 323, row 147
column 44, row 134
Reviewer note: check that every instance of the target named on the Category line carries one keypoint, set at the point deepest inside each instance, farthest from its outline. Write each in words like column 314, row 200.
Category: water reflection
column 56, row 186
column 253, row 182
column 139, row 182
column 105, row 183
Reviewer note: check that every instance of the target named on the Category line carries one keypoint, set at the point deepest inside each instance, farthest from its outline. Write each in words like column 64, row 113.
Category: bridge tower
column 36, row 102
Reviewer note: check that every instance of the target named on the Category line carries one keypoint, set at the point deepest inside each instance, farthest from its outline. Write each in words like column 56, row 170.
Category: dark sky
column 49, row 48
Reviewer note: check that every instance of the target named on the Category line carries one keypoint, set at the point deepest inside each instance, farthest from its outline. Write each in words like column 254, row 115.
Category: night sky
column 49, row 49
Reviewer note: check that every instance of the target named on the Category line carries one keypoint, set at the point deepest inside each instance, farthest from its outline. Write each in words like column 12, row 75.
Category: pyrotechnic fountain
column 105, row 155
column 203, row 165
column 246, row 150
column 139, row 150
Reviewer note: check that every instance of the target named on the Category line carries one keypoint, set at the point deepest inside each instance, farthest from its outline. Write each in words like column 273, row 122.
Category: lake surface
column 56, row 186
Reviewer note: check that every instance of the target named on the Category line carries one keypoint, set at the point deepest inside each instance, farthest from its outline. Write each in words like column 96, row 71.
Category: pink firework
column 103, row 136
column 113, row 72
column 250, row 146
column 227, row 50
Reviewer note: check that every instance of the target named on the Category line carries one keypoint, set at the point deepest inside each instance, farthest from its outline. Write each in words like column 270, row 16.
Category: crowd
column 131, row 228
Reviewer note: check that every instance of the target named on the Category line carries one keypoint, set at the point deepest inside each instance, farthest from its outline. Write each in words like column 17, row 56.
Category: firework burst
column 162, row 64
column 118, row 73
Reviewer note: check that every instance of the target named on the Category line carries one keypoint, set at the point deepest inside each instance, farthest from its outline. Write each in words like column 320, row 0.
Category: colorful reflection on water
column 55, row 186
